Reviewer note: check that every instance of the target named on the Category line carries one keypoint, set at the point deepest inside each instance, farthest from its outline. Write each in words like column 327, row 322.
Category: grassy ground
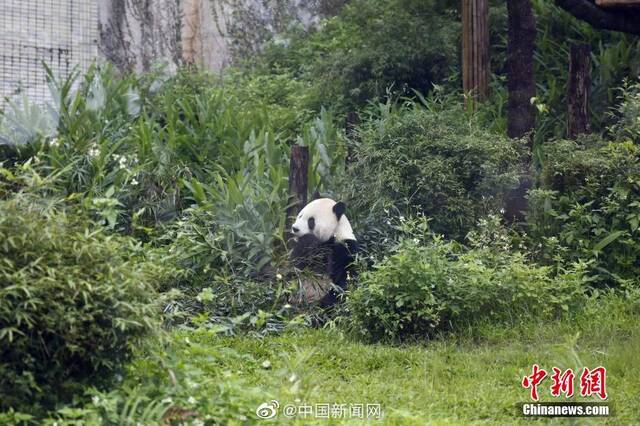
column 472, row 377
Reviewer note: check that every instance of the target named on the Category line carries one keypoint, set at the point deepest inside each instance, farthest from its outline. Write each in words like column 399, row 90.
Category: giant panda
column 325, row 243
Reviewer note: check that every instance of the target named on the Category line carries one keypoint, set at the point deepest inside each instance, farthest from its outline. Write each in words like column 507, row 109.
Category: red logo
column 562, row 383
column 534, row 380
column 592, row 382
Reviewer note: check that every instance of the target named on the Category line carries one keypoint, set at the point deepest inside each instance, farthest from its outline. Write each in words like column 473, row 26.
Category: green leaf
column 607, row 240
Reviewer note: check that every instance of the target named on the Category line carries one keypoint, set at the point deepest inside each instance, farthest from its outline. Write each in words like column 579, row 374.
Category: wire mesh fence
column 61, row 33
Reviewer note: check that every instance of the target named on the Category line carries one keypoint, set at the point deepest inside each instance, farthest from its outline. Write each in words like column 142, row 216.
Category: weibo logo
column 268, row 410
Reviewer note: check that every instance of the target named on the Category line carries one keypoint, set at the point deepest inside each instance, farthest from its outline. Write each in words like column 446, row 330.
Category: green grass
column 471, row 377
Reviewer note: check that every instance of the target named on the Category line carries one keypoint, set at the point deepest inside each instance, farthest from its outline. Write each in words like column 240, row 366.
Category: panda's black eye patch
column 312, row 223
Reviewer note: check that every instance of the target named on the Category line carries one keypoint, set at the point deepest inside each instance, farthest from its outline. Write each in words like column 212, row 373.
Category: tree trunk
column 578, row 90
column 521, row 85
column 520, row 47
column 475, row 49
column 298, row 180
column 351, row 126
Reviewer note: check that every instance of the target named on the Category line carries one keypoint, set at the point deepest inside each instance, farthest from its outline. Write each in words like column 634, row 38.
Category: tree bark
column 475, row 49
column 626, row 21
column 298, row 181
column 520, row 82
column 351, row 126
column 521, row 86
column 578, row 90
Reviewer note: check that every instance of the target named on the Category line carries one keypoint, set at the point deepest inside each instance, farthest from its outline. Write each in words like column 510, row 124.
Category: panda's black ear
column 339, row 209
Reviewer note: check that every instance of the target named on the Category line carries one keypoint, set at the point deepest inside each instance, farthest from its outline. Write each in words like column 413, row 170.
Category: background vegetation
column 144, row 265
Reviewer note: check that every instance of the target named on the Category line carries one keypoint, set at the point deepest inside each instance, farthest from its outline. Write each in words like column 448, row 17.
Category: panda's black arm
column 340, row 267
column 341, row 261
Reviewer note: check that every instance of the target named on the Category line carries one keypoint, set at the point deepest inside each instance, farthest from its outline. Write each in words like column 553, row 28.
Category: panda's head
column 324, row 218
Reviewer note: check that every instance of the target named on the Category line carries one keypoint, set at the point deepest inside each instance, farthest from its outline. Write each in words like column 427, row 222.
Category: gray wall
column 63, row 33
column 210, row 33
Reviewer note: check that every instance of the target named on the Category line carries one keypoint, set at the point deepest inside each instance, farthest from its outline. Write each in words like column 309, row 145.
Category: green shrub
column 436, row 161
column 219, row 265
column 588, row 207
column 628, row 114
column 370, row 47
column 422, row 289
column 73, row 303
column 130, row 143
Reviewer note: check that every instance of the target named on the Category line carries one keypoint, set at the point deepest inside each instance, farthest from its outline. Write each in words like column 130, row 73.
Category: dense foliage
column 371, row 47
column 615, row 57
column 194, row 163
column 433, row 159
column 627, row 127
column 74, row 301
column 127, row 192
column 588, row 207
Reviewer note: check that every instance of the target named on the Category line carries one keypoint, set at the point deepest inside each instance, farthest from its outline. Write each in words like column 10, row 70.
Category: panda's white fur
column 327, row 224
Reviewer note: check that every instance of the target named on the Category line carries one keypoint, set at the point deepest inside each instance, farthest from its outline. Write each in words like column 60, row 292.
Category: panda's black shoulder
column 348, row 247
column 352, row 246
column 343, row 254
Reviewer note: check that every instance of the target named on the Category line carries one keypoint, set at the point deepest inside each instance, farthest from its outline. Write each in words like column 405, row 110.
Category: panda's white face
column 324, row 218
